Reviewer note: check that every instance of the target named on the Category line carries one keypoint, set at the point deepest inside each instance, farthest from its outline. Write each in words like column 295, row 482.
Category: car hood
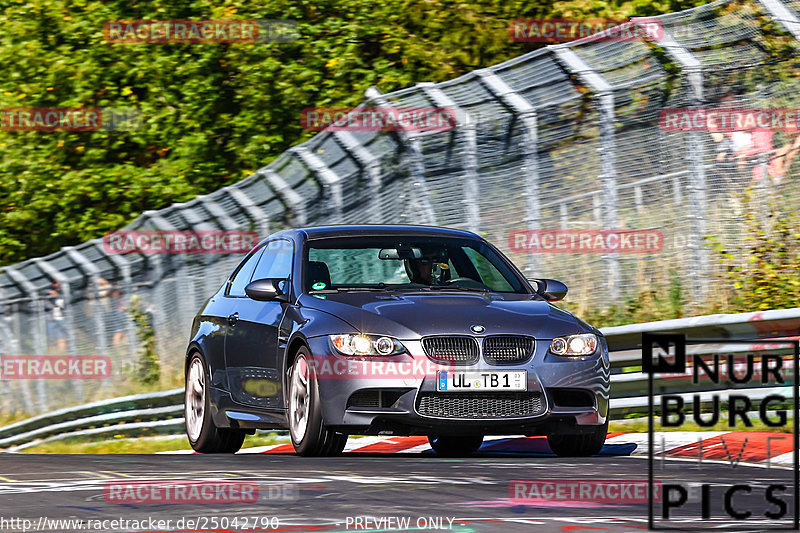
column 414, row 315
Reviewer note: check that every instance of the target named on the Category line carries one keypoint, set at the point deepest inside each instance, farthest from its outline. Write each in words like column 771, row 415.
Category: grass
column 144, row 445
column 10, row 418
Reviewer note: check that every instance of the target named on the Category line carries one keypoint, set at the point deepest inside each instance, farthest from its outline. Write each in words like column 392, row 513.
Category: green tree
column 213, row 113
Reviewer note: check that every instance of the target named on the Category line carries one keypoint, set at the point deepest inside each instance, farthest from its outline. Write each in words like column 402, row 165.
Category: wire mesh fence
column 566, row 137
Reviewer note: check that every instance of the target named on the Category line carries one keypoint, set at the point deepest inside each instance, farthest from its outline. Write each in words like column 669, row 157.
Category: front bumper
column 402, row 386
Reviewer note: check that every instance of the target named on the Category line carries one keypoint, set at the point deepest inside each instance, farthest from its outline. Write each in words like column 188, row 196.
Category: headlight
column 583, row 344
column 366, row 345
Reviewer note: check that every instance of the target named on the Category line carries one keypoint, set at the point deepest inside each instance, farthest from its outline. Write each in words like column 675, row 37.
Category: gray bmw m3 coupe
column 404, row 330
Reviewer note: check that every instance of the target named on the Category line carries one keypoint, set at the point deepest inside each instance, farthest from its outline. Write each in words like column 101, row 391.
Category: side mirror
column 550, row 289
column 266, row 290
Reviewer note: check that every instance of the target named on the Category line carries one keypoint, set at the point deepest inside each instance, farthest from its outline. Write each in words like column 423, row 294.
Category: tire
column 456, row 446
column 579, row 445
column 203, row 435
column 335, row 444
column 310, row 437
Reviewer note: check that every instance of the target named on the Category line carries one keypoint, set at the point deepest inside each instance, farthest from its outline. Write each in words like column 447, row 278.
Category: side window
column 490, row 276
column 242, row 277
column 276, row 262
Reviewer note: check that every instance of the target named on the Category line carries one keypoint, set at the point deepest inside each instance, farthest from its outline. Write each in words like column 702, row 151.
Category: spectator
column 724, row 164
column 728, row 159
column 103, row 289
column 753, row 147
column 784, row 157
column 112, row 305
column 54, row 306
column 118, row 317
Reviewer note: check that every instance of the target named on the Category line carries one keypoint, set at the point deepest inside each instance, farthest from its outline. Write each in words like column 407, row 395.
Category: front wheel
column 456, row 446
column 310, row 436
column 203, row 435
column 579, row 445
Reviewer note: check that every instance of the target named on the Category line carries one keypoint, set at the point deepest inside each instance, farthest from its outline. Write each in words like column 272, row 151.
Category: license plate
column 512, row 380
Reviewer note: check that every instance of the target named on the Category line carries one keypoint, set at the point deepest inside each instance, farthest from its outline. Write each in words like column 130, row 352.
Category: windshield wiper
column 456, row 288
column 330, row 290
column 439, row 288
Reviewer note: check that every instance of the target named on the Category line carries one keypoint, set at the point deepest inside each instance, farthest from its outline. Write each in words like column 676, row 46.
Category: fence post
column 196, row 222
column 526, row 113
column 224, row 220
column 762, row 192
column 69, row 324
column 158, row 283
column 92, row 273
column 10, row 341
column 696, row 204
column 66, row 291
column 327, row 178
column 783, row 15
column 608, row 154
column 256, row 215
column 413, row 150
column 9, row 344
column 39, row 333
column 467, row 129
column 371, row 165
column 124, row 268
column 289, row 197
column 227, row 223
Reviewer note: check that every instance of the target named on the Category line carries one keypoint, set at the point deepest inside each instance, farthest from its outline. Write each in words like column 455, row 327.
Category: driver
column 422, row 270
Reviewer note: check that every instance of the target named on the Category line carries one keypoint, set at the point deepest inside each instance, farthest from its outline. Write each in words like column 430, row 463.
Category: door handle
column 232, row 319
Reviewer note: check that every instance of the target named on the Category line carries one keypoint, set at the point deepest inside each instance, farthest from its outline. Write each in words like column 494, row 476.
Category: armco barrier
column 567, row 136
column 95, row 422
column 741, row 326
column 91, row 415
column 160, row 412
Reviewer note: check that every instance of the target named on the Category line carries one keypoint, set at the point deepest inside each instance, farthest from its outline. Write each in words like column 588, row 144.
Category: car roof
column 363, row 230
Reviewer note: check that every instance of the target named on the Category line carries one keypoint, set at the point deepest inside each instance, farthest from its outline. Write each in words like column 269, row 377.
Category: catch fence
column 566, row 137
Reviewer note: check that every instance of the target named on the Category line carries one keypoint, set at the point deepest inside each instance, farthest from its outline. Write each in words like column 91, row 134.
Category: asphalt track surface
column 330, row 494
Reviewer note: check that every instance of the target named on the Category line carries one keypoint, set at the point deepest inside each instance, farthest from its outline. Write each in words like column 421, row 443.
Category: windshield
column 406, row 263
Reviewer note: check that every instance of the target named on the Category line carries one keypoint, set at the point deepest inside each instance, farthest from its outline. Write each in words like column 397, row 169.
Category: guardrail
column 161, row 412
